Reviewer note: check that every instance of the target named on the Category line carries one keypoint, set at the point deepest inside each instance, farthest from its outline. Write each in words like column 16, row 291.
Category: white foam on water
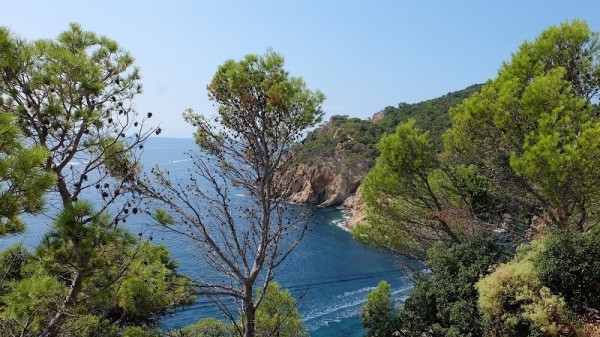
column 345, row 306
column 179, row 161
column 355, row 292
column 341, row 223
column 341, row 310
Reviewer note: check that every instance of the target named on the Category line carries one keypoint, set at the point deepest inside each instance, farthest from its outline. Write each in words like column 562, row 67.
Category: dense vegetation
column 352, row 142
column 22, row 178
column 431, row 115
column 443, row 303
column 346, row 143
column 520, row 161
column 494, row 188
column 72, row 98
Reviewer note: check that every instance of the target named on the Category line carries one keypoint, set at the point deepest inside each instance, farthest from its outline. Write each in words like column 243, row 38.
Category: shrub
column 443, row 303
column 207, row 327
column 514, row 301
column 377, row 315
column 569, row 265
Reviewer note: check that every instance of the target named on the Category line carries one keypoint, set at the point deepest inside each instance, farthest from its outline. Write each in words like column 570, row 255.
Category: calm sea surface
column 329, row 271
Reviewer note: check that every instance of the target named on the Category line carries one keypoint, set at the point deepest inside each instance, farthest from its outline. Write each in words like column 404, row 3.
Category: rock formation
column 332, row 161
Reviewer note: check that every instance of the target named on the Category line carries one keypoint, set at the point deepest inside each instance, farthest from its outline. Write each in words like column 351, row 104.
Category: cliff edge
column 330, row 164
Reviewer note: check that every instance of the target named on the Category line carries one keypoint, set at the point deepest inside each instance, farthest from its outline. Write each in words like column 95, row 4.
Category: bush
column 11, row 261
column 443, row 303
column 515, row 302
column 377, row 315
column 207, row 327
column 277, row 314
column 569, row 265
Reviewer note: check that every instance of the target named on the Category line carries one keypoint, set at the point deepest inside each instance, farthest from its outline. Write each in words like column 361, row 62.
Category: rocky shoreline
column 320, row 186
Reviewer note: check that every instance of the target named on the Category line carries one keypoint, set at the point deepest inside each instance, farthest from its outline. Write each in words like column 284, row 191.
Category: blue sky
column 364, row 55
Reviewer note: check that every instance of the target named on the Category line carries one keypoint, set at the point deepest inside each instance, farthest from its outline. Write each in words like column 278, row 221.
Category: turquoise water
column 329, row 272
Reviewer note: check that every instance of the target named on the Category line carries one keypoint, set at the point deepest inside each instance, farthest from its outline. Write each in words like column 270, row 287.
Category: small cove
column 329, row 271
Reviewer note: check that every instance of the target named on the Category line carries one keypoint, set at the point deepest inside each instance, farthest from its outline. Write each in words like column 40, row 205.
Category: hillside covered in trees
column 494, row 189
column 505, row 217
column 331, row 162
column 346, row 135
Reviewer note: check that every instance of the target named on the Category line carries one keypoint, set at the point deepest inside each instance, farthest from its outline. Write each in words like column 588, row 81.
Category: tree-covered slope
column 354, row 137
column 332, row 160
column 343, row 139
column 431, row 115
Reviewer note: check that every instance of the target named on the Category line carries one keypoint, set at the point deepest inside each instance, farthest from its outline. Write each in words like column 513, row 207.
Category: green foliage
column 523, row 149
column 206, row 327
column 93, row 230
column 72, row 96
column 476, row 191
column 346, row 142
column 31, row 303
column 163, row 217
column 515, row 302
column 23, row 182
column 446, row 301
column 532, row 130
column 569, row 265
column 135, row 291
column 137, row 331
column 277, row 314
column 404, row 195
column 257, row 96
column 118, row 158
column 431, row 115
column 443, row 303
column 11, row 261
column 152, row 287
column 377, row 316
column 145, row 285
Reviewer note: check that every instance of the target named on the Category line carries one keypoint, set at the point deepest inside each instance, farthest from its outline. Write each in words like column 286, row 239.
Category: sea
column 329, row 273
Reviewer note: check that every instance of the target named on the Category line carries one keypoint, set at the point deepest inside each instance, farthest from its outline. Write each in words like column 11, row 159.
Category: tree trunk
column 250, row 316
column 438, row 206
column 53, row 327
column 56, row 323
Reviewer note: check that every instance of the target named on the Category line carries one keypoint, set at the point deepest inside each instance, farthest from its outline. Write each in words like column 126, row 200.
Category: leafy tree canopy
column 23, row 181
column 262, row 113
column 72, row 99
column 533, row 130
column 278, row 315
column 413, row 200
column 378, row 314
column 135, row 292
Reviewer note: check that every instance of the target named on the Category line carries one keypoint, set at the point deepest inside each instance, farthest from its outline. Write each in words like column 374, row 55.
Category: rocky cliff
column 318, row 184
column 332, row 161
column 325, row 186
